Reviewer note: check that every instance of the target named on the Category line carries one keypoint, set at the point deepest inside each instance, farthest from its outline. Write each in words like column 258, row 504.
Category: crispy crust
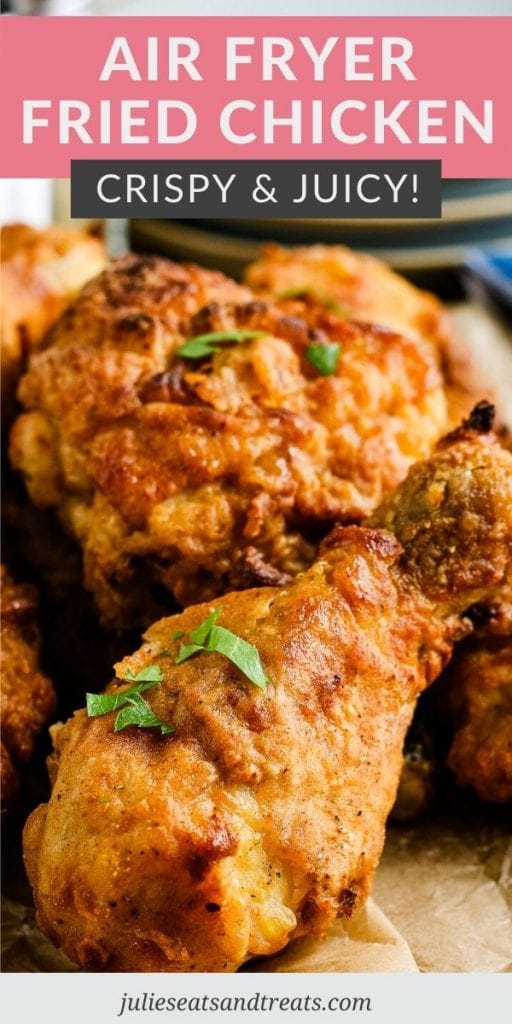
column 368, row 289
column 28, row 698
column 203, row 476
column 468, row 471
column 262, row 817
column 364, row 286
column 41, row 271
column 481, row 699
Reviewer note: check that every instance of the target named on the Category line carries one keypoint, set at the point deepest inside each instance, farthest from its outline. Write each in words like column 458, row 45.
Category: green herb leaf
column 306, row 291
column 177, row 634
column 243, row 654
column 152, row 673
column 200, row 634
column 206, row 344
column 186, row 651
column 98, row 704
column 164, row 653
column 103, row 703
column 337, row 307
column 300, row 291
column 139, row 713
column 131, row 706
column 324, row 357
column 212, row 639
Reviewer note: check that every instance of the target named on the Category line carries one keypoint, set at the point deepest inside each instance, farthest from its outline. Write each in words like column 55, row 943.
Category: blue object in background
column 488, row 276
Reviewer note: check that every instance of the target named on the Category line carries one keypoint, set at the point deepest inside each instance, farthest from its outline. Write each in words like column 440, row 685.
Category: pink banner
column 253, row 88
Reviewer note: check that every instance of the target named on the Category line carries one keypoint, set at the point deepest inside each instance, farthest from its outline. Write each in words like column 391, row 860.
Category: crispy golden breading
column 474, row 700
column 27, row 695
column 366, row 288
column 481, row 697
column 206, row 475
column 476, row 692
column 425, row 512
column 41, row 271
column 262, row 817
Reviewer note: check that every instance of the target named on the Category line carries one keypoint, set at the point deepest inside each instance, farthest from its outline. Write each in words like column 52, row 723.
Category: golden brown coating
column 206, row 475
column 477, row 686
column 481, row 697
column 262, row 817
column 366, row 288
column 470, row 477
column 27, row 695
column 474, row 700
column 41, row 271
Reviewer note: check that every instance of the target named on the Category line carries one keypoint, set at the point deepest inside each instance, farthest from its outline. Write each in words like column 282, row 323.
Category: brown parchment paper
column 368, row 942
column 446, row 882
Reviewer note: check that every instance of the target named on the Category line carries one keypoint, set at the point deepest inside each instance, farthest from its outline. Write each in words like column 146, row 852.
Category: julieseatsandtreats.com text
column 148, row 1002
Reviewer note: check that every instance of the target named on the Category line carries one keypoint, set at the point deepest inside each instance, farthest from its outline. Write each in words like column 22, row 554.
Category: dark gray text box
column 252, row 189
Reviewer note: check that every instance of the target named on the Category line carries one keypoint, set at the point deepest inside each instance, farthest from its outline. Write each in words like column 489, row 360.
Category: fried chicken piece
column 261, row 818
column 367, row 288
column 41, row 271
column 476, row 691
column 364, row 287
column 471, row 704
column 475, row 698
column 192, row 477
column 27, row 695
column 481, row 699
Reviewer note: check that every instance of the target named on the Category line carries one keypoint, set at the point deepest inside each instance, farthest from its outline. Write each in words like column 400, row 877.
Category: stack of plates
column 475, row 214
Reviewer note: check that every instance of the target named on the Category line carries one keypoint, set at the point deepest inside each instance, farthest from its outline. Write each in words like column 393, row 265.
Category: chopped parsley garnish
column 186, row 651
column 336, row 307
column 202, row 632
column 216, row 639
column 131, row 707
column 307, row 292
column 323, row 356
column 138, row 712
column 206, row 344
column 150, row 674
